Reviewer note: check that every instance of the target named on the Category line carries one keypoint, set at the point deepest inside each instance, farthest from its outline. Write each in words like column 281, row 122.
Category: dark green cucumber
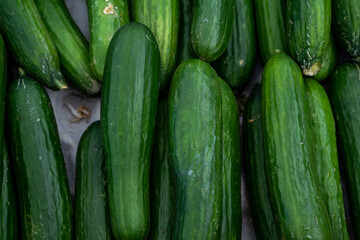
column 43, row 189
column 237, row 63
column 347, row 26
column 271, row 27
column 308, row 26
column 298, row 210
column 105, row 18
column 128, row 109
column 211, row 27
column 8, row 210
column 163, row 18
column 185, row 50
column 71, row 45
column 3, row 79
column 329, row 61
column 161, row 179
column 345, row 101
column 326, row 156
column 195, row 135
column 261, row 212
column 92, row 218
column 30, row 43
column 231, row 165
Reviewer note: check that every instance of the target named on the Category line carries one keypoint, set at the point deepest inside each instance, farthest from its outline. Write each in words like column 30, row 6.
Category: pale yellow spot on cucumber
column 109, row 9
column 241, row 62
column 277, row 50
column 313, row 70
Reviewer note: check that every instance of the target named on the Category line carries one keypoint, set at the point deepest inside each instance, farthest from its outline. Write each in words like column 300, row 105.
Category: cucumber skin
column 185, row 51
column 261, row 212
column 33, row 138
column 344, row 92
column 329, row 62
column 211, row 27
column 237, row 63
column 195, row 139
column 30, row 43
column 288, row 153
column 102, row 29
column 3, row 80
column 72, row 46
column 91, row 187
column 128, row 110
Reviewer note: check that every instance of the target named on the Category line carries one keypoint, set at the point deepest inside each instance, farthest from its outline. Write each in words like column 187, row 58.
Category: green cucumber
column 161, row 179
column 185, row 50
column 329, row 61
column 42, row 185
column 3, row 79
column 195, row 135
column 211, row 27
column 71, row 45
column 128, row 109
column 105, row 18
column 237, row 63
column 163, row 18
column 308, row 26
column 30, row 43
column 298, row 210
column 261, row 212
column 345, row 101
column 270, row 25
column 92, row 218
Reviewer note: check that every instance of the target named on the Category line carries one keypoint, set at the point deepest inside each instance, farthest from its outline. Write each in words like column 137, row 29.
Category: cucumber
column 3, row 78
column 344, row 97
column 195, row 135
column 326, row 157
column 329, row 62
column 43, row 189
column 298, row 210
column 161, row 179
column 92, row 218
column 308, row 26
column 71, row 45
column 261, row 212
column 271, row 28
column 128, row 109
column 211, row 27
column 163, row 18
column 185, row 51
column 237, row 63
column 347, row 26
column 105, row 18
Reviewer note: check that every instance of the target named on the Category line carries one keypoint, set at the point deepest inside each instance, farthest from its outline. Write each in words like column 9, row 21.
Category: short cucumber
column 185, row 51
column 329, row 61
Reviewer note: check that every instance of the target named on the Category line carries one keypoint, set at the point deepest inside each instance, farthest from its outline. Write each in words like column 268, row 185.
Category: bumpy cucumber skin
column 211, row 27
column 129, row 100
column 30, row 43
column 237, row 63
column 298, row 210
column 195, row 131
column 261, row 212
column 92, row 218
column 186, row 50
column 329, row 62
column 3, row 78
column 105, row 18
column 163, row 18
column 344, row 97
column 42, row 185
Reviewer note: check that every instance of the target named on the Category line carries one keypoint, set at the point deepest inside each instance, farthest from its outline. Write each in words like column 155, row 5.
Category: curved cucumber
column 44, row 197
column 105, row 18
column 185, row 51
column 329, row 61
column 128, row 108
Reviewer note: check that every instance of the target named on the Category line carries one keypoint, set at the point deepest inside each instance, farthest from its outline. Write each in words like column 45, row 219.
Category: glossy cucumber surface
column 329, row 62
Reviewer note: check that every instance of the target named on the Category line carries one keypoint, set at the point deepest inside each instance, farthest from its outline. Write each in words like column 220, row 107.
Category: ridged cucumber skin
column 195, row 131
column 163, row 19
column 185, row 51
column 161, row 179
column 3, row 79
column 44, row 198
column 329, row 62
column 271, row 28
column 128, row 109
column 92, row 219
column 72, row 46
column 231, row 165
column 105, row 18
column 211, row 27
column 261, row 212
column 30, row 43
column 326, row 156
column 308, row 26
column 346, row 22
column 344, row 97
column 8, row 208
column 237, row 63
column 296, row 201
